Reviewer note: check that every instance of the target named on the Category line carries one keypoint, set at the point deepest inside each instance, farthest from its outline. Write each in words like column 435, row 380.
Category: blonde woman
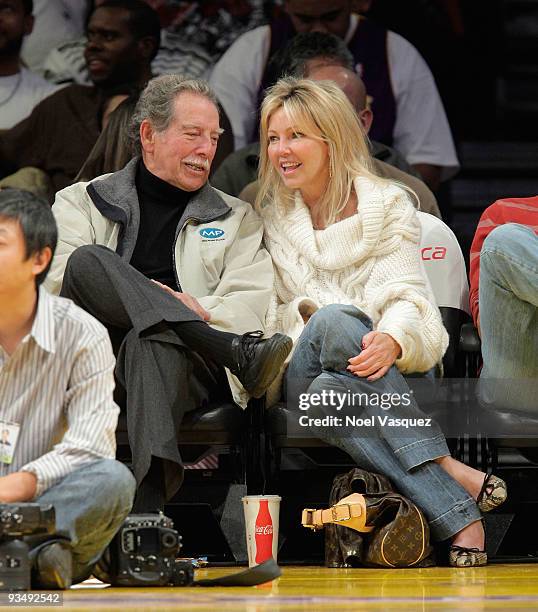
column 350, row 292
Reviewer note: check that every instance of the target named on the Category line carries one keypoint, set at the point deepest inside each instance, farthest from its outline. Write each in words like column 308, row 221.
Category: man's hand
column 188, row 300
column 17, row 487
column 379, row 352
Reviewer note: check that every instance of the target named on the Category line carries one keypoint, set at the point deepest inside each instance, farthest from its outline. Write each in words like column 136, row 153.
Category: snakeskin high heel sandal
column 459, row 556
column 492, row 494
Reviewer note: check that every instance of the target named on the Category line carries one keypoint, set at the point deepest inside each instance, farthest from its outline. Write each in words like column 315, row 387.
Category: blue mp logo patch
column 211, row 233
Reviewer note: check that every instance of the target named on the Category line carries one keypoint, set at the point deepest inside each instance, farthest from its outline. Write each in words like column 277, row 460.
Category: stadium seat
column 210, row 430
column 513, row 429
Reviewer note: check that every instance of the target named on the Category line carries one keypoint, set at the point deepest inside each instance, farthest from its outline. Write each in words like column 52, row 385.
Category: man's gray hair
column 156, row 103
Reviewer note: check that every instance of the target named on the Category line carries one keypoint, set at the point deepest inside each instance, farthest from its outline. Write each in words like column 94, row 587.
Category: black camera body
column 143, row 553
column 16, row 521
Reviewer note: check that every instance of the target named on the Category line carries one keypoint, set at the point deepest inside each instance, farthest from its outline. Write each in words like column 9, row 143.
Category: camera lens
column 169, row 539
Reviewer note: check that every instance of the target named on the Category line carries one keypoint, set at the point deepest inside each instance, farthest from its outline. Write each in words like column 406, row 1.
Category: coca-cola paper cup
column 261, row 524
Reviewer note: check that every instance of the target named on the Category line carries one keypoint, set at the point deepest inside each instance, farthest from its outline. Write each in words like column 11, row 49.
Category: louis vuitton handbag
column 369, row 524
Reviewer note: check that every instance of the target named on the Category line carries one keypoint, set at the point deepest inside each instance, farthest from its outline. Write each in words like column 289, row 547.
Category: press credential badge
column 9, row 432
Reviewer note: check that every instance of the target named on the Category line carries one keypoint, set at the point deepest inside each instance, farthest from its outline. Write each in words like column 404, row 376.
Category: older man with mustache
column 176, row 271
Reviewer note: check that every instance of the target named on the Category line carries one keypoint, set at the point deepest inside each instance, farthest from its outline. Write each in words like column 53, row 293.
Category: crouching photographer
column 57, row 415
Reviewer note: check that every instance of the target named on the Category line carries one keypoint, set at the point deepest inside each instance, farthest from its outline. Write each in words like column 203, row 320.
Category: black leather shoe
column 258, row 360
column 54, row 566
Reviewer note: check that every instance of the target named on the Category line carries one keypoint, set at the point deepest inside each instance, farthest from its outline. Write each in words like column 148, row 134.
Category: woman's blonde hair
column 320, row 110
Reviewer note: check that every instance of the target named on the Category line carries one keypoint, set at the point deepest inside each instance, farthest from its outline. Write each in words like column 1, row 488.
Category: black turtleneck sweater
column 161, row 208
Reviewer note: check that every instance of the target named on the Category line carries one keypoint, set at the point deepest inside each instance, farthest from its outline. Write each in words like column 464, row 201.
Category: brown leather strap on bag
column 348, row 512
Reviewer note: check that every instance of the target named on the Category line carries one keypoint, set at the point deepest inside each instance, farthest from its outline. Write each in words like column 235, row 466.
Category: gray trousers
column 162, row 378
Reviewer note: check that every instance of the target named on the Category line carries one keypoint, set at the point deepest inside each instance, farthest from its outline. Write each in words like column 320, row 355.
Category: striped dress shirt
column 57, row 385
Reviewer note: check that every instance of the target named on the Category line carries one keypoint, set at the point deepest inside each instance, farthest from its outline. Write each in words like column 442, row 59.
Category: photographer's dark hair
column 291, row 59
column 143, row 19
column 36, row 220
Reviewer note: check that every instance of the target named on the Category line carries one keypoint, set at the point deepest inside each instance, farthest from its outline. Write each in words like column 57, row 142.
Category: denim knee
column 335, row 314
column 508, row 257
column 503, row 238
column 120, row 482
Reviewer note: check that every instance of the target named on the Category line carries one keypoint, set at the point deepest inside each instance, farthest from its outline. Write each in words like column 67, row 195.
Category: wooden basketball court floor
column 495, row 587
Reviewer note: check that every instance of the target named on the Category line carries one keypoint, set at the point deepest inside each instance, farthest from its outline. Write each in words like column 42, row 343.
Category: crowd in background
column 327, row 126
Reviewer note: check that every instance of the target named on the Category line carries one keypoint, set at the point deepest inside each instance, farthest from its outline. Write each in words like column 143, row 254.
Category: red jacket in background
column 510, row 210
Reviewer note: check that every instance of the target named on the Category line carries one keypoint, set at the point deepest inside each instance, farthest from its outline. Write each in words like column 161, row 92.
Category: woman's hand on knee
column 379, row 352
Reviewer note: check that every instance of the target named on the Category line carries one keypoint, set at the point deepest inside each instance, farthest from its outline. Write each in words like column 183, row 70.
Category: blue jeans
column 333, row 335
column 508, row 298
column 91, row 504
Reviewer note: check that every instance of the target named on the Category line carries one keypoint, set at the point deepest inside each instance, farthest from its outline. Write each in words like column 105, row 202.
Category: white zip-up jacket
column 218, row 253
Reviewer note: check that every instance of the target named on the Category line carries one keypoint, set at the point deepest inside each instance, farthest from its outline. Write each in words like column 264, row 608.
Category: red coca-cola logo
column 263, row 533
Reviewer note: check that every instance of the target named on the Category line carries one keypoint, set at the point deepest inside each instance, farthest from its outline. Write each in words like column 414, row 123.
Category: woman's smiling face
column 302, row 161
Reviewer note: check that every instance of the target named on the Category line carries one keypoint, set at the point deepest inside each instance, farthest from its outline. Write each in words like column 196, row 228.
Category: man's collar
column 119, row 189
column 43, row 327
column 207, row 204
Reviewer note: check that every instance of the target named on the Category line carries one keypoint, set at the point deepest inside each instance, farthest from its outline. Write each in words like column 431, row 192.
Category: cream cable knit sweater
column 370, row 260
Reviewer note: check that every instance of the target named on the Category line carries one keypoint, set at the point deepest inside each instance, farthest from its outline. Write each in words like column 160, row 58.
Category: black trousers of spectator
column 162, row 378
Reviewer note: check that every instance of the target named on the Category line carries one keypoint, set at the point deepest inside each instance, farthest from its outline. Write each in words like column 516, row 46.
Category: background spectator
column 194, row 36
column 65, row 63
column 504, row 294
column 406, row 103
column 20, row 89
column 56, row 21
column 523, row 211
column 59, row 134
column 216, row 24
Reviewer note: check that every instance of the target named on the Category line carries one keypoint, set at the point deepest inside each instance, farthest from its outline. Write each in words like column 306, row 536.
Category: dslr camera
column 16, row 521
column 143, row 553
